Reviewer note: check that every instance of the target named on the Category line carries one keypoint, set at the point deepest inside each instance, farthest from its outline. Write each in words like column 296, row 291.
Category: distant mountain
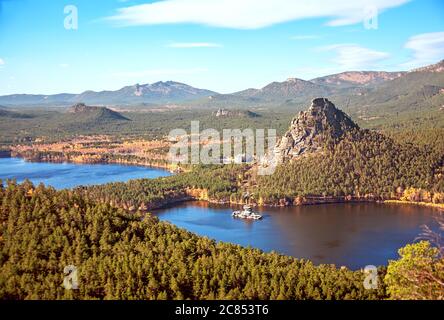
column 159, row 92
column 30, row 99
column 361, row 92
column 357, row 91
column 356, row 78
column 419, row 89
column 437, row 67
column 290, row 89
column 83, row 113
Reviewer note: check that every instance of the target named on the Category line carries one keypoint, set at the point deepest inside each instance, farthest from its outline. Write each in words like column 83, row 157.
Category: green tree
column 418, row 274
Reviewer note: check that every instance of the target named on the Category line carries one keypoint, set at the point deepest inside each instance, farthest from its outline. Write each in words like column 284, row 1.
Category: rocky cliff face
column 312, row 129
column 437, row 67
column 357, row 78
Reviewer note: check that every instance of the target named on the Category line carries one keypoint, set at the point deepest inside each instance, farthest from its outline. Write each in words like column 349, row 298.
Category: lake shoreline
column 71, row 175
column 439, row 206
column 195, row 194
column 188, row 198
column 119, row 161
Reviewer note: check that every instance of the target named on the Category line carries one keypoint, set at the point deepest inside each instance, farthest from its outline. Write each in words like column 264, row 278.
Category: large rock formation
column 312, row 129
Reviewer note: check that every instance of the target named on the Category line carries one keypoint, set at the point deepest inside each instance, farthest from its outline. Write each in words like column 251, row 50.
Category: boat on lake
column 246, row 213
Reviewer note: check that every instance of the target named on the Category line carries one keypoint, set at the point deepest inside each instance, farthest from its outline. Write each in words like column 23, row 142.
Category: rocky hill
column 357, row 78
column 437, row 67
column 81, row 112
column 420, row 90
column 291, row 89
column 311, row 130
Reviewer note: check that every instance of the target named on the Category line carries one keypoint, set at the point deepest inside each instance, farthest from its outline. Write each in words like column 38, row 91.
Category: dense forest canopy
column 130, row 256
column 366, row 163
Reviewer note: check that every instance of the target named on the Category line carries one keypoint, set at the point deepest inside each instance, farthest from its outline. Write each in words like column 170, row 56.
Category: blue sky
column 219, row 45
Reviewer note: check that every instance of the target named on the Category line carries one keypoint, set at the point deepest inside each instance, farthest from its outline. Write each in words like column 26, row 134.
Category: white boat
column 246, row 213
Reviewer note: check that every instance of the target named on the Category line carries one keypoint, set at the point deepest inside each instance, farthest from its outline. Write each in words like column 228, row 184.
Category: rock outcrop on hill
column 312, row 129
column 83, row 113
column 235, row 113
column 357, row 78
column 437, row 67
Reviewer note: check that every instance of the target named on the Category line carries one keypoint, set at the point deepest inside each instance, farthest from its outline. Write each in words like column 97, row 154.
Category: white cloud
column 159, row 72
column 248, row 14
column 352, row 56
column 194, row 45
column 64, row 65
column 2, row 62
column 427, row 48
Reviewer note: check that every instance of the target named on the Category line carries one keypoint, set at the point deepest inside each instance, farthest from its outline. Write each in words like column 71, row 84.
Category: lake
column 353, row 235
column 68, row 175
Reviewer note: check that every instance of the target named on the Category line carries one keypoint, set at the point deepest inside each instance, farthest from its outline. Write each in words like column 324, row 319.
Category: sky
column 221, row 45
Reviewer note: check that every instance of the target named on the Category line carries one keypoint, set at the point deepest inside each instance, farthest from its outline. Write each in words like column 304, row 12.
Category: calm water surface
column 68, row 175
column 354, row 235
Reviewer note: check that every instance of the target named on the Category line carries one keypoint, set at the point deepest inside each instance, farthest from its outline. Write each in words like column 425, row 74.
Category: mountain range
column 356, row 90
column 155, row 93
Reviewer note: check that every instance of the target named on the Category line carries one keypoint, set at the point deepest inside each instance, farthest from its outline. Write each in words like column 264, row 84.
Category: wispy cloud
column 64, row 65
column 2, row 62
column 248, row 14
column 352, row 56
column 305, row 37
column 427, row 48
column 194, row 45
column 158, row 72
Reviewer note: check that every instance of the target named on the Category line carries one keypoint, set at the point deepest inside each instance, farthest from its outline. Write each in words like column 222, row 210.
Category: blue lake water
column 68, row 175
column 353, row 235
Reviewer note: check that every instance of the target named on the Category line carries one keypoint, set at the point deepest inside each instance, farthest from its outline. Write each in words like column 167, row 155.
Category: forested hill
column 119, row 255
column 363, row 166
column 83, row 113
column 326, row 155
column 310, row 131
